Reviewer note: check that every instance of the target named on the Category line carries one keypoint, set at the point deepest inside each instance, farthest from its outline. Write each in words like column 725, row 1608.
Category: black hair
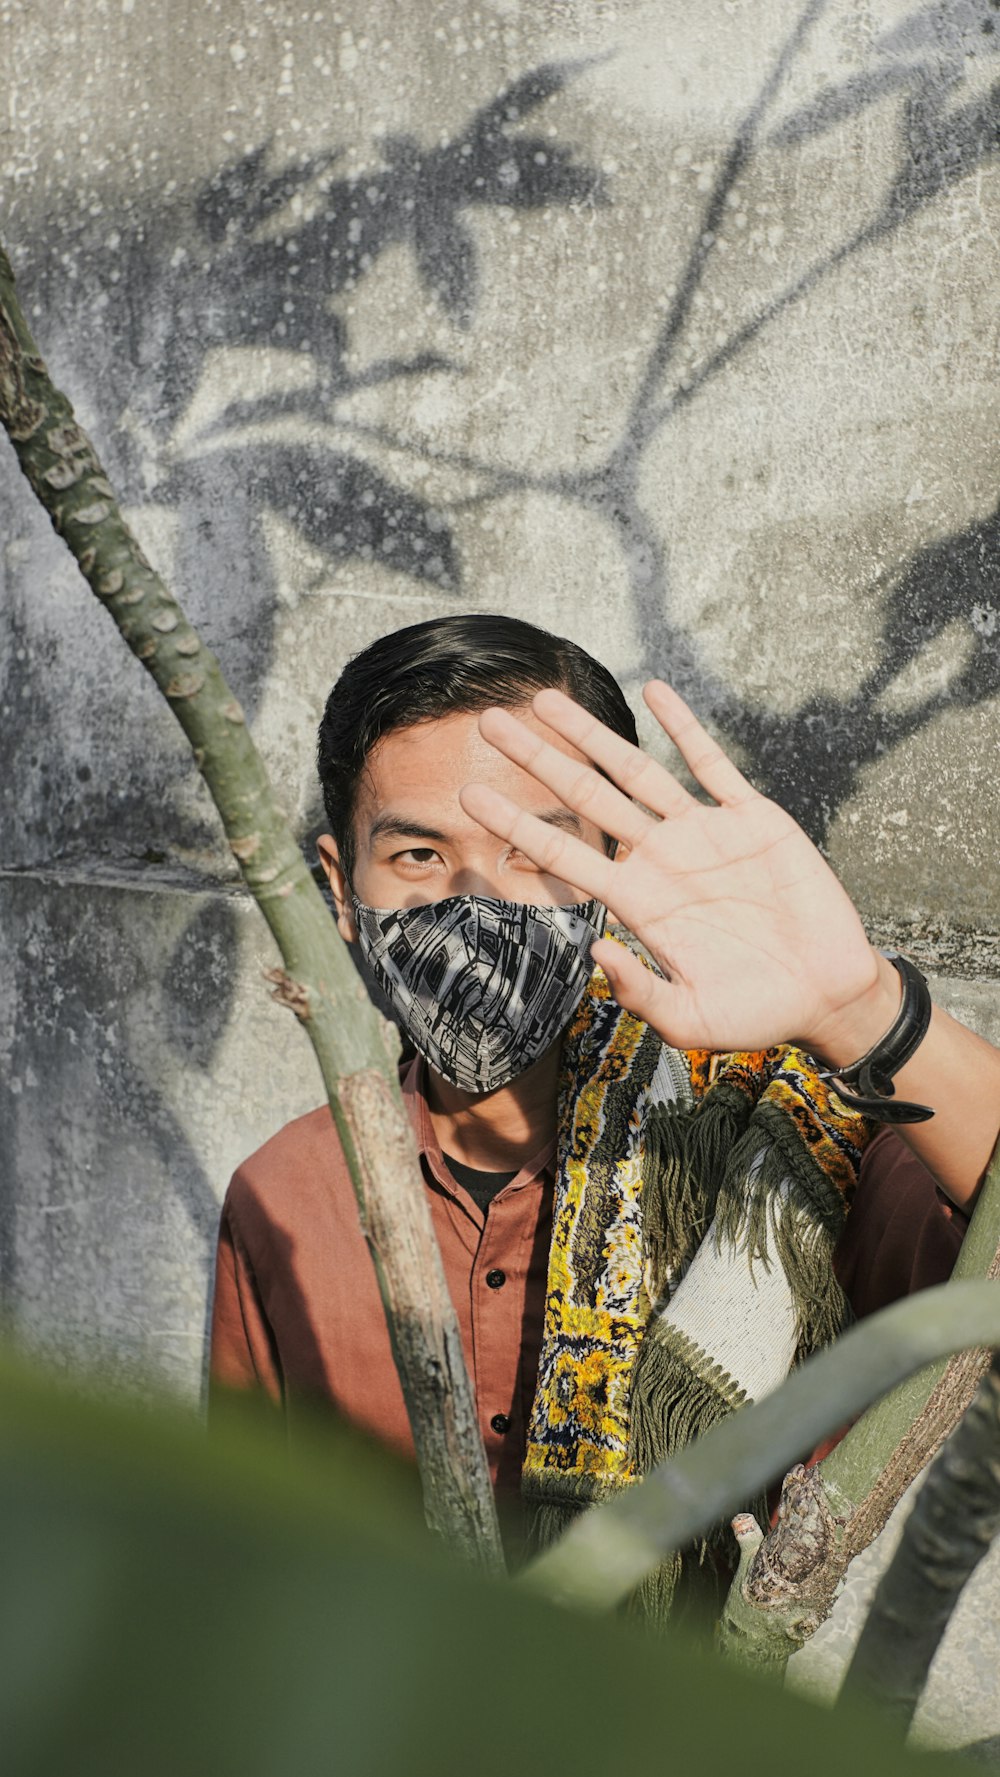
column 437, row 668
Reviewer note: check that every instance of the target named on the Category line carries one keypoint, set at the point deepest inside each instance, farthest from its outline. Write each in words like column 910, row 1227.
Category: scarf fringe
column 764, row 1192
column 548, row 1520
column 681, row 1584
column 652, row 1602
column 677, row 1395
column 686, row 1149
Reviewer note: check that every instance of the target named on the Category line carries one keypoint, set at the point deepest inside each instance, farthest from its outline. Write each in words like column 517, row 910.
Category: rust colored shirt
column 297, row 1310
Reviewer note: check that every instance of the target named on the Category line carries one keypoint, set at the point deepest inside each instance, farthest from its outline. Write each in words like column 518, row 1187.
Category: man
column 639, row 1190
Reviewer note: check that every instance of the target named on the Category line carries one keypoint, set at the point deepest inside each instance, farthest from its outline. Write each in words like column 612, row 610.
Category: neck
column 498, row 1131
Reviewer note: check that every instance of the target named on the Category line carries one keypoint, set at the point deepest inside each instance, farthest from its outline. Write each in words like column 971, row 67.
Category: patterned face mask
column 482, row 987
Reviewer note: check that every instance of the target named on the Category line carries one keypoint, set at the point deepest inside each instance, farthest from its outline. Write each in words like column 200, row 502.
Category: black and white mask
column 482, row 987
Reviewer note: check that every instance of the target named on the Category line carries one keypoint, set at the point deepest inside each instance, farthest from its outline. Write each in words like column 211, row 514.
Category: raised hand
column 757, row 940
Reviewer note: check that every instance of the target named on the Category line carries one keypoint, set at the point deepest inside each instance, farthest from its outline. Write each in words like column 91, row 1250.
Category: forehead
column 418, row 771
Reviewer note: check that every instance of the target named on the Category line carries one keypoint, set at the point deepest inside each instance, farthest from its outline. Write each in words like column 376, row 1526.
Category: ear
column 329, row 858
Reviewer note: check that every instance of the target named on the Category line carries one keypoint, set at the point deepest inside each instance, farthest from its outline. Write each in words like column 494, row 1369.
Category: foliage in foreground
column 175, row 1603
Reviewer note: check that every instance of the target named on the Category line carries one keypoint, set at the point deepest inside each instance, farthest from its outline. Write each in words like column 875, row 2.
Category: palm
column 756, row 939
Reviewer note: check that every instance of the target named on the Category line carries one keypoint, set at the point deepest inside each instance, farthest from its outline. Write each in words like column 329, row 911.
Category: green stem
column 318, row 981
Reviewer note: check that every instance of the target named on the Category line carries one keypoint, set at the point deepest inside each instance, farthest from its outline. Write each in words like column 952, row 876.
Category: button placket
column 496, row 1243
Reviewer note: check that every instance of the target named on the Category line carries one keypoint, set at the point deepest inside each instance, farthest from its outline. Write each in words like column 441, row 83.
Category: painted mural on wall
column 310, row 380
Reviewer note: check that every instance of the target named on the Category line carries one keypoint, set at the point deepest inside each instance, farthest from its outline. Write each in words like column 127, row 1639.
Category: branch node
column 748, row 1534
column 185, row 685
column 21, row 415
column 93, row 514
column 64, row 474
column 289, row 993
column 801, row 1557
column 245, row 848
column 70, row 440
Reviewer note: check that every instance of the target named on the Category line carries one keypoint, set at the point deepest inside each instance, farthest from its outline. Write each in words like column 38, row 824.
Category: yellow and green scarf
column 698, row 1199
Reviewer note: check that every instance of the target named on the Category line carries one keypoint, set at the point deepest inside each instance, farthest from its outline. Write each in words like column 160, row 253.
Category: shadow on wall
column 257, row 274
column 812, row 760
column 271, row 246
column 95, row 1158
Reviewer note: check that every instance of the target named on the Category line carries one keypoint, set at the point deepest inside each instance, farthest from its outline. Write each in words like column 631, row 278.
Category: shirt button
column 496, row 1279
column 500, row 1422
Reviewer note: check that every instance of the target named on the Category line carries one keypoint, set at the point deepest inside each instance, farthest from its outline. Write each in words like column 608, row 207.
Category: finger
column 629, row 767
column 634, row 986
column 579, row 787
column 703, row 756
column 558, row 853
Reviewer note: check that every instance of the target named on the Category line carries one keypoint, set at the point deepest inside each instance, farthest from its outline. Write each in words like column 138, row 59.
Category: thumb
column 634, row 986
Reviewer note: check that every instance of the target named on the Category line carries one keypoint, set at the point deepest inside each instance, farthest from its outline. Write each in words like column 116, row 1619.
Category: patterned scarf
column 698, row 1199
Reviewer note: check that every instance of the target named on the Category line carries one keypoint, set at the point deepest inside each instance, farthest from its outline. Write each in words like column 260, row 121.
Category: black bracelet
column 873, row 1073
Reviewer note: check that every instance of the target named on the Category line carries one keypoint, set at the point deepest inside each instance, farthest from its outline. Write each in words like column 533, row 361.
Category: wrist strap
column 873, row 1073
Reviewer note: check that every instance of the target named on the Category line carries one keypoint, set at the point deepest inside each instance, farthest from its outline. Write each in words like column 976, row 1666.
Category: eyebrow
column 397, row 827
column 394, row 826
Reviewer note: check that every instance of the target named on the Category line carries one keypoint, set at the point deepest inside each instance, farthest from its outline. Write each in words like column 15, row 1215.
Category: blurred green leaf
column 175, row 1603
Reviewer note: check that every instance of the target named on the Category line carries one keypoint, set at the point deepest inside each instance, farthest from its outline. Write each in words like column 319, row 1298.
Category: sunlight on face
column 416, row 844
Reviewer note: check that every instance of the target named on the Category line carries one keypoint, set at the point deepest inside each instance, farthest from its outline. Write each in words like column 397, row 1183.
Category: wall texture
column 671, row 327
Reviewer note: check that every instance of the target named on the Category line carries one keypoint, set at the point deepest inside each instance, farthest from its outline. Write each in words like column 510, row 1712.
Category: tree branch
column 951, row 1526
column 318, row 980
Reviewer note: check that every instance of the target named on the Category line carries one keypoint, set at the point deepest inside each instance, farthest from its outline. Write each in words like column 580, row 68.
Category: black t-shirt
column 481, row 1186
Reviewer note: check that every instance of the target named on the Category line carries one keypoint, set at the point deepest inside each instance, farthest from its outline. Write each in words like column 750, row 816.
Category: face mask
column 481, row 987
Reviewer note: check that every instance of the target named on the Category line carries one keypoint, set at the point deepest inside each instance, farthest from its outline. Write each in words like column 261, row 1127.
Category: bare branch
column 318, row 980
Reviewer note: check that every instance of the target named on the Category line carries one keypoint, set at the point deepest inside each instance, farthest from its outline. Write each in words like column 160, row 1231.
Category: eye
column 418, row 855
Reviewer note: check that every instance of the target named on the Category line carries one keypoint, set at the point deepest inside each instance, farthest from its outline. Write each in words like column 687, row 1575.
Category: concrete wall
column 671, row 327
